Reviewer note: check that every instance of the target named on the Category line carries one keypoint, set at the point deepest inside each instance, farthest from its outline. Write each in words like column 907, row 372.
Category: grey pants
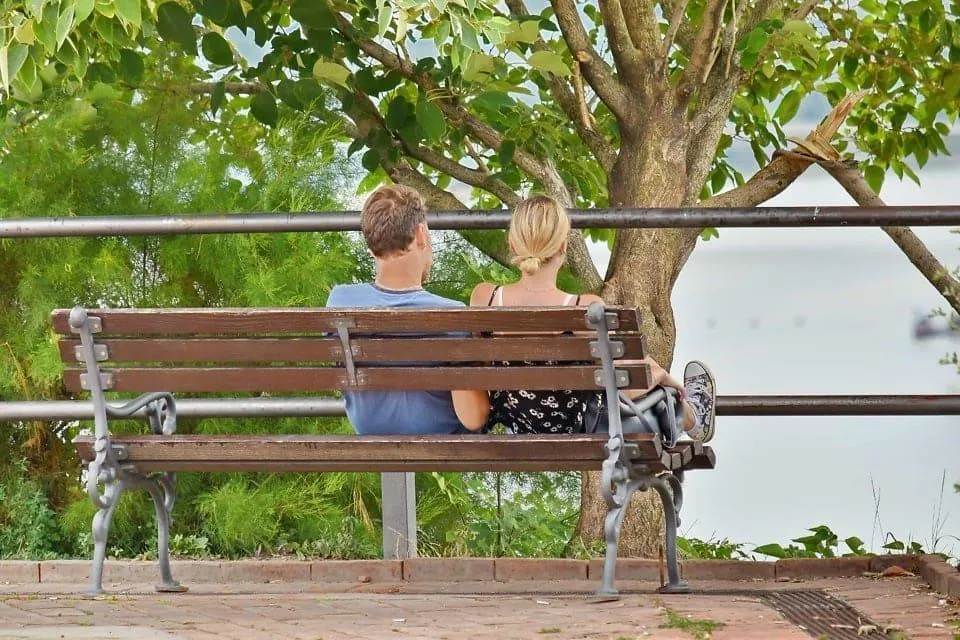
column 660, row 411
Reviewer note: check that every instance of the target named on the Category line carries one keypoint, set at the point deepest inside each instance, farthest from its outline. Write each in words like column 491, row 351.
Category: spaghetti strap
column 577, row 303
column 493, row 294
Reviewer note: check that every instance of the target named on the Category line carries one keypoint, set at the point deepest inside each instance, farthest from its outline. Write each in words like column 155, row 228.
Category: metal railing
column 819, row 405
column 788, row 217
column 769, row 217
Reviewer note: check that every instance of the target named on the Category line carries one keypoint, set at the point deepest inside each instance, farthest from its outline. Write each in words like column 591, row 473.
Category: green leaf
column 469, row 37
column 527, row 32
column 287, row 92
column 309, row 91
column 717, row 181
column 399, row 111
column 218, row 11
column 83, row 10
column 15, row 58
column 773, row 550
column 263, row 106
column 4, row 67
column 174, row 25
column 431, row 120
column 313, row 14
column 99, row 72
column 331, row 72
column 64, row 22
column 895, row 545
column 548, row 61
column 874, row 176
column 506, row 151
column 855, row 544
column 788, row 107
column 129, row 10
column 755, row 41
column 216, row 49
column 709, row 233
column 479, row 67
column 384, row 16
column 217, row 97
column 131, row 67
column 370, row 160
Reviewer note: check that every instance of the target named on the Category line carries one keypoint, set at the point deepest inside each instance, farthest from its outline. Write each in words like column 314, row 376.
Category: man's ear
column 422, row 237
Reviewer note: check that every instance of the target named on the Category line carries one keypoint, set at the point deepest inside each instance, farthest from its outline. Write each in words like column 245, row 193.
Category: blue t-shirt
column 395, row 412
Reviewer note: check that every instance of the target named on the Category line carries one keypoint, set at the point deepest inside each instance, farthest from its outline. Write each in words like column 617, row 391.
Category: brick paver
column 494, row 610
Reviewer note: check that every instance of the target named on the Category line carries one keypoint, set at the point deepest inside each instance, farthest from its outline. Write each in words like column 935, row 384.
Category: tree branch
column 851, row 179
column 454, row 112
column 595, row 70
column 572, row 104
column 677, row 14
column 702, row 54
column 629, row 52
column 642, row 26
column 784, row 168
column 466, row 175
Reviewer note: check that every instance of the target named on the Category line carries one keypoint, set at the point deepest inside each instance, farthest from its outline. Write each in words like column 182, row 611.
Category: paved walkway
column 463, row 610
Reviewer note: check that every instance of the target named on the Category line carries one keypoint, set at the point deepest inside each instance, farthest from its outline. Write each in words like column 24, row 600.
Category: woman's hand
column 662, row 377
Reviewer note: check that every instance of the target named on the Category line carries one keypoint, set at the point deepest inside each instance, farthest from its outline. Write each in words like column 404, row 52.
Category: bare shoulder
column 481, row 294
column 588, row 298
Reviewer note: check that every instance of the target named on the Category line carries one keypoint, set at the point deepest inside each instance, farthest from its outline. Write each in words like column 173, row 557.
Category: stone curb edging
column 944, row 578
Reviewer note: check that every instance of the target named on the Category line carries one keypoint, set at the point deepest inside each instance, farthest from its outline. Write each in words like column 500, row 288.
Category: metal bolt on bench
column 277, row 351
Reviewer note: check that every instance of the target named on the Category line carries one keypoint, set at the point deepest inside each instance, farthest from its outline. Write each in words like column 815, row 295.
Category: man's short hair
column 390, row 217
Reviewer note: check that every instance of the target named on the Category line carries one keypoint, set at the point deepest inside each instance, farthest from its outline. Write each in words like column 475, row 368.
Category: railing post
column 399, row 511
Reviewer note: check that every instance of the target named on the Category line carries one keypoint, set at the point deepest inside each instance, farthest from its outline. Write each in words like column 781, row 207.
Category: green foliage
column 28, row 527
column 698, row 628
column 722, row 549
column 824, row 543
column 497, row 67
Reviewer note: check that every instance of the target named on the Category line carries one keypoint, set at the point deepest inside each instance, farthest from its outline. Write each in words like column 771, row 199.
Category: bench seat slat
column 370, row 453
column 235, row 321
column 306, row 379
column 440, row 349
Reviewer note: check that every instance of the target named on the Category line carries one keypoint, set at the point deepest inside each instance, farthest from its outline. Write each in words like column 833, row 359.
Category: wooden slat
column 371, row 350
column 685, row 452
column 300, row 379
column 237, row 321
column 369, row 453
column 703, row 458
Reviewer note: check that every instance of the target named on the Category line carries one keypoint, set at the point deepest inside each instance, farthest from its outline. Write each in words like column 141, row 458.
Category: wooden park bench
column 162, row 352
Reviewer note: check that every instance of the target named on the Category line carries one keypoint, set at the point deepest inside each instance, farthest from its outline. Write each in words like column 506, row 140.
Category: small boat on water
column 932, row 326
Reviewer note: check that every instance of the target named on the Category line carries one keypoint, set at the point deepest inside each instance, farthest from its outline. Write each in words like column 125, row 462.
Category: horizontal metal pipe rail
column 926, row 405
column 917, row 216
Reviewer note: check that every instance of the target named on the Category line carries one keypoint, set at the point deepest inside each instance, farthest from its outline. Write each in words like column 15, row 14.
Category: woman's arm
column 472, row 408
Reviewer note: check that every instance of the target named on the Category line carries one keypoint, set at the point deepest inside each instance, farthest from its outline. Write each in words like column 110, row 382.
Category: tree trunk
column 650, row 172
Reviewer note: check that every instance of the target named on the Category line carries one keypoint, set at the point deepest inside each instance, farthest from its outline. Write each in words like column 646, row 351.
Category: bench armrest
column 161, row 410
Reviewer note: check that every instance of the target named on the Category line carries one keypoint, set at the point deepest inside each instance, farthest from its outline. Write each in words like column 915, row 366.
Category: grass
column 549, row 630
column 699, row 629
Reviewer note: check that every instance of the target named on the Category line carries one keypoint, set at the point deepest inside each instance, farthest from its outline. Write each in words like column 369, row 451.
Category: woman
column 538, row 241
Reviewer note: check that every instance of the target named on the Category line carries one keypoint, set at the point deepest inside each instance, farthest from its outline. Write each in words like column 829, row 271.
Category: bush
column 28, row 526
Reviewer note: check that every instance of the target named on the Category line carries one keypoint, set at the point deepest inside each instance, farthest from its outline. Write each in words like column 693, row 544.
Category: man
column 394, row 226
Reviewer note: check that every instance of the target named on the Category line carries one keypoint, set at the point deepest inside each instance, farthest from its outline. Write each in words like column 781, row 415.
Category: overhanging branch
column 595, row 70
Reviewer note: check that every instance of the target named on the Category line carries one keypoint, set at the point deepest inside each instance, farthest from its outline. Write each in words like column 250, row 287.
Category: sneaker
column 702, row 396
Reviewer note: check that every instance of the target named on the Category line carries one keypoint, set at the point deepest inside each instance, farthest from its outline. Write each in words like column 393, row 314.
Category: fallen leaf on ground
column 895, row 571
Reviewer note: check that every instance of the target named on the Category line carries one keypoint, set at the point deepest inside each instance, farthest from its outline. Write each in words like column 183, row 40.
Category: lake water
column 823, row 311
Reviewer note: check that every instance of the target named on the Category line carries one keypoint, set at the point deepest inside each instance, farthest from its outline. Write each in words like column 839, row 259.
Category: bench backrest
column 304, row 350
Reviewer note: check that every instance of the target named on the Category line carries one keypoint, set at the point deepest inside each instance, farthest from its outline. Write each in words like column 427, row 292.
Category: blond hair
column 538, row 232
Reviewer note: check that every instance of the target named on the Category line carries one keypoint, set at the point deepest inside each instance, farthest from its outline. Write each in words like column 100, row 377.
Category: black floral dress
column 526, row 412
